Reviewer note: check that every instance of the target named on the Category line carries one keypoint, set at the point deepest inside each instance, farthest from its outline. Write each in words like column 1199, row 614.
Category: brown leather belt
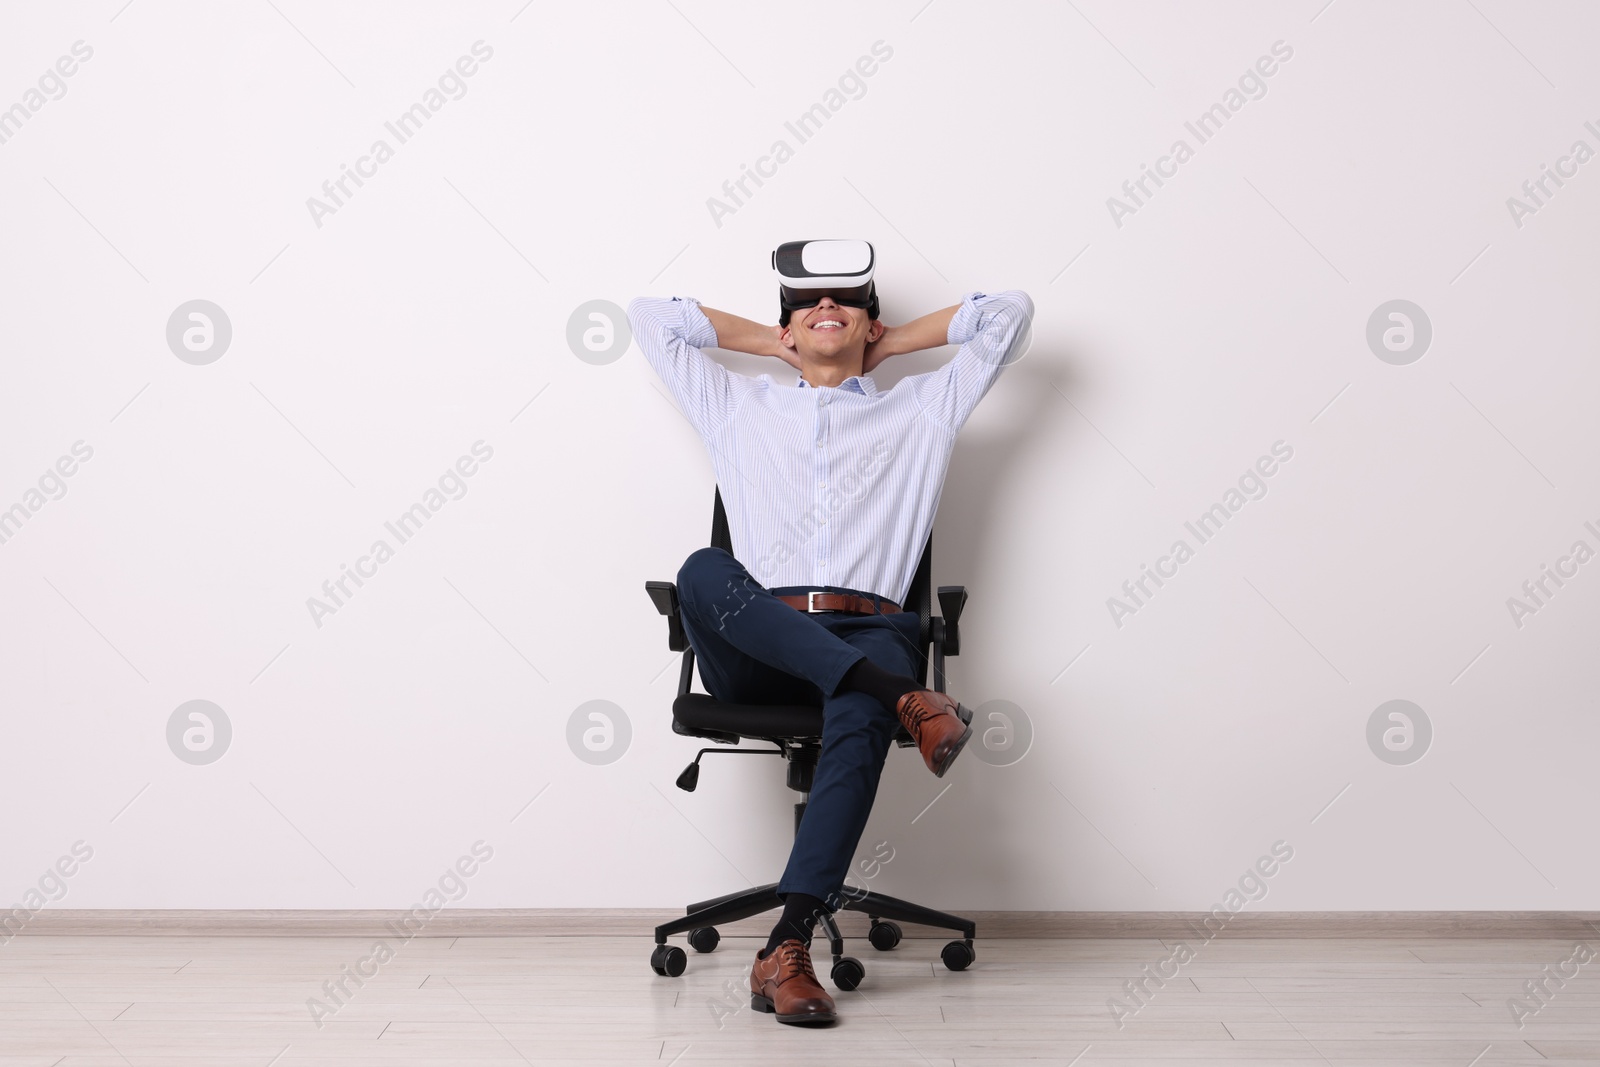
column 856, row 605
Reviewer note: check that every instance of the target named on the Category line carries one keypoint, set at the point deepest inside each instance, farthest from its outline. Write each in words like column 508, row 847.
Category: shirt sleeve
column 672, row 332
column 993, row 332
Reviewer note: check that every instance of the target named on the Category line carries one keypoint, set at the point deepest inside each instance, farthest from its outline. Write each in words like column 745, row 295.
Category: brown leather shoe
column 931, row 720
column 784, row 983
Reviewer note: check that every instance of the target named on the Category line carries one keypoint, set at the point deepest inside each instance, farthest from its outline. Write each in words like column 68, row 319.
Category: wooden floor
column 224, row 1001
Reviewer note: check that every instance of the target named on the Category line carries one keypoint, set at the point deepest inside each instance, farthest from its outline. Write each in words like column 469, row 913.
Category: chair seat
column 699, row 715
column 705, row 715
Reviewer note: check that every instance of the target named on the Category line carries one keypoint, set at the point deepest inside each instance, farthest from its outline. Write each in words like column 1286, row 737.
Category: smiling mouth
column 827, row 325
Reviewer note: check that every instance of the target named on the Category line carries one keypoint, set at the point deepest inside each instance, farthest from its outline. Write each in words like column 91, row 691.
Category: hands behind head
column 783, row 347
column 880, row 350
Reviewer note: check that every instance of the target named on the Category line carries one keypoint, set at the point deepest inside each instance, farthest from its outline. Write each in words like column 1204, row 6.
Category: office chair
column 795, row 731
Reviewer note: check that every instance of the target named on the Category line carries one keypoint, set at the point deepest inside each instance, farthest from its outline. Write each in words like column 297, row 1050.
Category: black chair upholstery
column 795, row 732
column 704, row 716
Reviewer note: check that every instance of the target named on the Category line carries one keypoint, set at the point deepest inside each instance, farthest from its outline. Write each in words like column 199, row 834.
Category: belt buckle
column 811, row 607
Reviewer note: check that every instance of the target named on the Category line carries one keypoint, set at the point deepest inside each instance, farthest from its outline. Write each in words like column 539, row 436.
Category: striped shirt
column 830, row 486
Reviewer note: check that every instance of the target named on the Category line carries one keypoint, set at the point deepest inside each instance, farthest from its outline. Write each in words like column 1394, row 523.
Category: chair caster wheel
column 848, row 972
column 884, row 935
column 669, row 961
column 704, row 938
column 958, row 955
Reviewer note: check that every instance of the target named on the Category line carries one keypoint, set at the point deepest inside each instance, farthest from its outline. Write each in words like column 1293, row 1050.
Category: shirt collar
column 858, row 383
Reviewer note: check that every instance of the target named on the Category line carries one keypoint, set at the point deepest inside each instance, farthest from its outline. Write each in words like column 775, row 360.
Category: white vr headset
column 809, row 270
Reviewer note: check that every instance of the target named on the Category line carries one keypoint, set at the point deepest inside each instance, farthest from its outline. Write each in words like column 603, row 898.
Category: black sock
column 867, row 677
column 799, row 917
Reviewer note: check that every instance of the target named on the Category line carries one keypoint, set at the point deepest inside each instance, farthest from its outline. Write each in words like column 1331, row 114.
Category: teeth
column 828, row 322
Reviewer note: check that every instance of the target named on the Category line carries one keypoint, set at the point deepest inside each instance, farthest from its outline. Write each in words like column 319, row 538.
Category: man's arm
column 672, row 332
column 930, row 331
column 752, row 338
column 992, row 332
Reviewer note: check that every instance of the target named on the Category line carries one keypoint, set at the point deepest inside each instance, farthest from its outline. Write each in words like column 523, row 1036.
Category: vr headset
column 810, row 270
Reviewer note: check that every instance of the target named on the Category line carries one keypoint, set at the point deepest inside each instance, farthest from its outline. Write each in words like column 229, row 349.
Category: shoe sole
column 761, row 1003
column 961, row 743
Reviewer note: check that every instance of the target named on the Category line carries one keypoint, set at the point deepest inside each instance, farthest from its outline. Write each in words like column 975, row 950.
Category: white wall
column 1227, row 313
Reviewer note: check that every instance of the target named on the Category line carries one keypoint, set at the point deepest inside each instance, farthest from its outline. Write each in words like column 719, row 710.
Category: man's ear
column 786, row 339
column 875, row 331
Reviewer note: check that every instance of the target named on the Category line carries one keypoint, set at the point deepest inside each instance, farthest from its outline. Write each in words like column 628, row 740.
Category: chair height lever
column 691, row 774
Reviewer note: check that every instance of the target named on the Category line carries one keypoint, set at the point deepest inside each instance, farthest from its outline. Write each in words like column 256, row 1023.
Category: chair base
column 879, row 907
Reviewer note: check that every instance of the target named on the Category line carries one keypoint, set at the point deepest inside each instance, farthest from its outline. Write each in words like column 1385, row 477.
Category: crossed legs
column 754, row 648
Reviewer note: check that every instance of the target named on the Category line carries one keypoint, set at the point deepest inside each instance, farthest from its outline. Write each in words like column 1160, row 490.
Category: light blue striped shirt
column 830, row 486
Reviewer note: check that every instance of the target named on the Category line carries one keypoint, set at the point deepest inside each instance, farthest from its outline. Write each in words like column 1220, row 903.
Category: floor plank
column 84, row 1001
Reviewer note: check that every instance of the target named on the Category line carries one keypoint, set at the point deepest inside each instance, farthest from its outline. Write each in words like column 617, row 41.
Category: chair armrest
column 952, row 599
column 664, row 595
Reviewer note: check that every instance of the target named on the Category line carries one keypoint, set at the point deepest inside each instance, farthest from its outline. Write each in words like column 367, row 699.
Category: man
column 830, row 486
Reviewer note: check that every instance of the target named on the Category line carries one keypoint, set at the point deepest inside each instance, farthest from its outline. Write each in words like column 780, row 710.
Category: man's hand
column 786, row 350
column 880, row 350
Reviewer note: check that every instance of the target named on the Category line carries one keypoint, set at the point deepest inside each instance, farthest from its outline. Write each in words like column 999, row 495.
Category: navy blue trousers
column 753, row 648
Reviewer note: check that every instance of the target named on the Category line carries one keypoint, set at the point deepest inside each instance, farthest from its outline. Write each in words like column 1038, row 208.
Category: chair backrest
column 919, row 597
